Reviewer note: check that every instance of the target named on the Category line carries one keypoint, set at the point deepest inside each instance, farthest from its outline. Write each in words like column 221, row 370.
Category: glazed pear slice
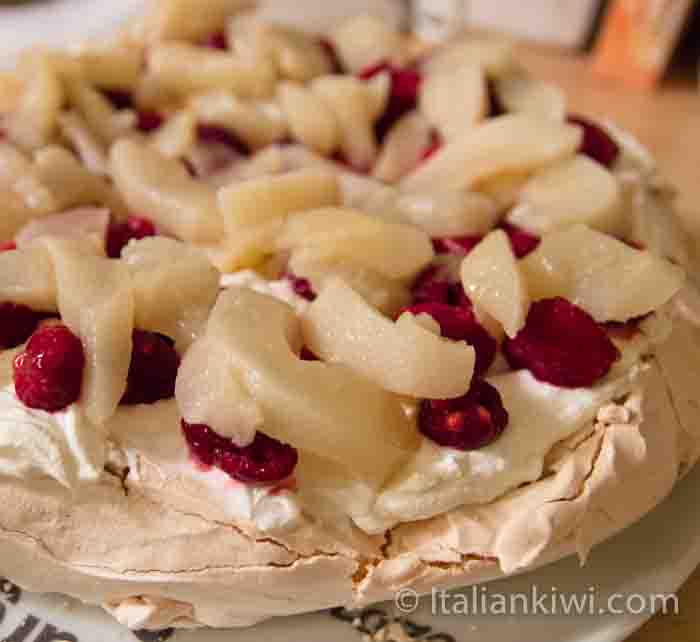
column 609, row 279
column 403, row 148
column 27, row 277
column 364, row 40
column 495, row 55
column 503, row 145
column 521, row 94
column 311, row 121
column 367, row 240
column 160, row 188
column 209, row 392
column 352, row 103
column 322, row 408
column 403, row 357
column 453, row 102
column 175, row 287
column 493, row 281
column 83, row 222
column 260, row 200
column 96, row 302
column 578, row 190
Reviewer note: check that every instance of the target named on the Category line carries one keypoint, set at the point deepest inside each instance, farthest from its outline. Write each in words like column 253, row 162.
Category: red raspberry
column 403, row 97
column 430, row 287
column 307, row 355
column 597, row 143
column 266, row 460
column 208, row 133
column 301, row 287
column 153, row 369
column 8, row 246
column 332, row 53
column 460, row 324
column 148, row 120
column 432, row 148
column 17, row 323
column 217, row 40
column 467, row 423
column 562, row 344
column 456, row 244
column 48, row 375
column 119, row 234
column 521, row 241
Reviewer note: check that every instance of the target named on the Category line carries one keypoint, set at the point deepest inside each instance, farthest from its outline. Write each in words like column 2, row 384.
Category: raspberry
column 597, row 143
column 460, row 324
column 17, row 323
column 48, row 375
column 8, row 246
column 432, row 148
column 430, row 288
column 456, row 244
column 119, row 234
column 562, row 344
column 521, row 241
column 149, row 120
column 332, row 53
column 403, row 96
column 208, row 133
column 301, row 287
column 216, row 40
column 153, row 369
column 266, row 460
column 307, row 355
column 467, row 423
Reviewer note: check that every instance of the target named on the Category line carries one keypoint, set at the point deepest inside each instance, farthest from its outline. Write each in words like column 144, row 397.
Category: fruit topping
column 562, row 344
column 468, row 423
column 403, row 94
column 208, row 133
column 17, row 323
column 216, row 40
column 7, row 246
column 596, row 143
column 301, row 287
column 48, row 375
column 460, row 324
column 153, row 369
column 456, row 245
column 149, row 120
column 522, row 242
column 264, row 461
column 119, row 234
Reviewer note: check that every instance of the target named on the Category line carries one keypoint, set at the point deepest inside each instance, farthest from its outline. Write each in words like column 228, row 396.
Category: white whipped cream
column 64, row 445
column 281, row 289
column 153, row 432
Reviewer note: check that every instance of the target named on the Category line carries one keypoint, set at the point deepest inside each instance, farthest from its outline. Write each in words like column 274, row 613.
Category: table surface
column 668, row 122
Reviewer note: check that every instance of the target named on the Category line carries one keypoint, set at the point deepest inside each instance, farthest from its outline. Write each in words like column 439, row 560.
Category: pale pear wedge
column 256, row 124
column 266, row 162
column 521, row 94
column 609, row 279
column 493, row 281
column 91, row 151
column 504, row 189
column 15, row 213
column 389, row 296
column 188, row 69
column 176, row 137
column 456, row 100
column 353, row 106
column 85, row 222
column 322, row 408
column 503, row 145
column 96, row 302
column 161, row 188
column 361, row 238
column 110, row 66
column 34, row 122
column 175, row 287
column 403, row 356
column 27, row 277
column 449, row 213
column 495, row 55
column 208, row 391
column 403, row 148
column 260, row 200
column 364, row 40
column 250, row 246
column 311, row 121
column 378, row 92
column 185, row 19
column 578, row 190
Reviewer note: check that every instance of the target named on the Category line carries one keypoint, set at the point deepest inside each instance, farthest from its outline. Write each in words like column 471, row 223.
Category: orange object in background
column 638, row 38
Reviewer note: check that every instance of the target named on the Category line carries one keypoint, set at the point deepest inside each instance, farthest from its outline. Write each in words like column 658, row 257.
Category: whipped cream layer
column 64, row 445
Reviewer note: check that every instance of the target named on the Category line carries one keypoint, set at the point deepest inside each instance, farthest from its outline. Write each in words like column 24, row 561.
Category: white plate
column 654, row 556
